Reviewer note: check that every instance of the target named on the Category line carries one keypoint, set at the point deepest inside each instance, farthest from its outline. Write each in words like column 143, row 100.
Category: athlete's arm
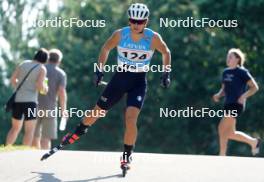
column 219, row 94
column 160, row 45
column 111, row 43
column 253, row 88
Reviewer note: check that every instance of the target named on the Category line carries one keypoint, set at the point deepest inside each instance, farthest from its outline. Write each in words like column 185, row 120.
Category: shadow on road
column 46, row 177
column 49, row 177
column 98, row 178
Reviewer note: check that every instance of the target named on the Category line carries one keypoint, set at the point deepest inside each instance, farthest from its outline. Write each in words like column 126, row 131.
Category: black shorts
column 132, row 84
column 234, row 108
column 24, row 110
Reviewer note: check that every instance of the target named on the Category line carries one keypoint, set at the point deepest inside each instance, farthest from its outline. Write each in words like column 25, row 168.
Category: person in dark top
column 237, row 86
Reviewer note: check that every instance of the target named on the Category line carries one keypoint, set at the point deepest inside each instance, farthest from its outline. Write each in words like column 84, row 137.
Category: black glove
column 165, row 79
column 98, row 77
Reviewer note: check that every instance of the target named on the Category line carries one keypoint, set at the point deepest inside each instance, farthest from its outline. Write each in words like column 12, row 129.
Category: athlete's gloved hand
column 165, row 79
column 98, row 77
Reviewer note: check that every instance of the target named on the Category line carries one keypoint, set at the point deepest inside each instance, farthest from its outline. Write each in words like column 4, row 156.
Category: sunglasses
column 139, row 22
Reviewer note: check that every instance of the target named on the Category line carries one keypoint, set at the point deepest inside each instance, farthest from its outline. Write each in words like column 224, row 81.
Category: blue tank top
column 135, row 56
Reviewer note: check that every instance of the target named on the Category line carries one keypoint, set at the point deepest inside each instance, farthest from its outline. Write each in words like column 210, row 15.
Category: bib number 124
column 135, row 55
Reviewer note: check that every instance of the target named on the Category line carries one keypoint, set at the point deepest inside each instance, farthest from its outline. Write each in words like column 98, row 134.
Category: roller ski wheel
column 124, row 167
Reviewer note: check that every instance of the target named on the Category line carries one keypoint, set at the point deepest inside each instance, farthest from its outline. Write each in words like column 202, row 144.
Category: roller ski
column 125, row 165
column 69, row 138
column 51, row 152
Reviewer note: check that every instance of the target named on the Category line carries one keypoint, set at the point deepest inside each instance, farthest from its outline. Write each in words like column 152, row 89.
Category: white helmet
column 138, row 11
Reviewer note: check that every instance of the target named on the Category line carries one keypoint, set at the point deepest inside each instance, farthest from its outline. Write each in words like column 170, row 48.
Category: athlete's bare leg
column 131, row 116
column 227, row 130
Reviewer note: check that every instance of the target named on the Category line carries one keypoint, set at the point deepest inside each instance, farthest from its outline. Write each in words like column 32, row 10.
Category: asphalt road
column 73, row 166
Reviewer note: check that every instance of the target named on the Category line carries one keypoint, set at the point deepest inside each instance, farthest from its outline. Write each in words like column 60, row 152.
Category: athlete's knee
column 231, row 133
column 223, row 132
column 227, row 132
column 131, row 122
column 222, row 127
column 131, row 115
column 104, row 104
column 99, row 111
column 131, row 118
